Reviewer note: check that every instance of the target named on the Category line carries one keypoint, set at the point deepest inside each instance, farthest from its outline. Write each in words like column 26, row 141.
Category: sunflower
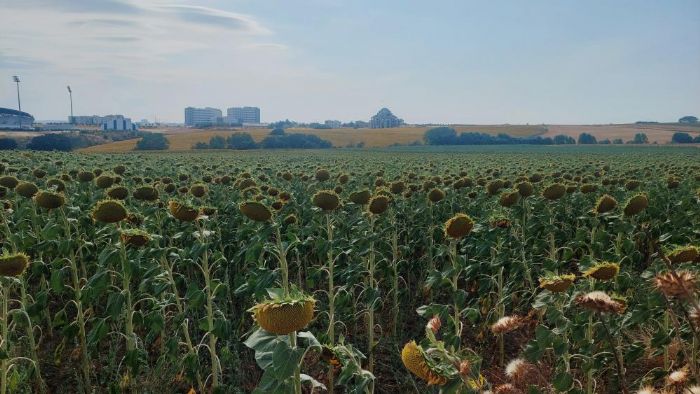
column 415, row 360
column 636, row 204
column 145, row 193
column 26, row 189
column 49, row 200
column 507, row 324
column 327, row 200
column 508, row 199
column 554, row 191
column 198, row 190
column 13, row 264
column 603, row 271
column 118, row 193
column 679, row 285
column 436, row 195
column 683, row 254
column 378, row 204
column 600, row 302
column 459, row 226
column 134, row 237
column 284, row 316
column 557, row 283
column 605, row 204
column 525, row 189
column 255, row 210
column 182, row 212
column 109, row 211
column 360, row 197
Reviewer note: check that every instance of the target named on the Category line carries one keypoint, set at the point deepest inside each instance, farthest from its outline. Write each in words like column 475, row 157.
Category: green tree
column 681, row 138
column 586, row 139
column 153, row 141
column 241, row 141
column 217, row 142
column 640, row 138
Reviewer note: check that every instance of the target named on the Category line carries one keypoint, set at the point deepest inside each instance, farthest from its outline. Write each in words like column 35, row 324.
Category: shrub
column 7, row 144
column 49, row 142
column 681, row 138
column 241, row 141
column 585, row 138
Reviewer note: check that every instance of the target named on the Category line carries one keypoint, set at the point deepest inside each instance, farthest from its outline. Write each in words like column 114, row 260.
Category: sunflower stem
column 331, row 297
column 618, row 357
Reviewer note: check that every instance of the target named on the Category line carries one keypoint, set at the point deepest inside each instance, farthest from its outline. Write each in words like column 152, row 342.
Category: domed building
column 13, row 119
column 384, row 119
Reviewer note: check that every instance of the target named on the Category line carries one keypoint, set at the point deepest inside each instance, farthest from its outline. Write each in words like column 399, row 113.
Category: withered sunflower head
column 182, row 212
column 134, row 238
column 109, row 211
column 605, row 204
column 378, row 204
column 554, row 191
column 26, row 189
column 13, row 264
column 598, row 301
column 683, row 254
column 603, row 270
column 459, row 226
column 557, row 283
column 49, row 200
column 636, row 204
column 255, row 210
column 507, row 324
column 680, row 284
column 415, row 360
column 327, row 200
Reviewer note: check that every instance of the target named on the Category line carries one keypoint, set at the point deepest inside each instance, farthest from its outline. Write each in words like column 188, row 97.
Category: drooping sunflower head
column 109, row 211
column 493, row 187
column 554, row 191
column 255, row 210
column 605, row 204
column 145, row 193
column 397, row 187
column 283, row 316
column 360, row 197
column 378, row 204
column 436, row 195
column 49, row 200
column 322, row 175
column 507, row 324
column 636, row 204
column 327, row 200
column 104, row 181
column 557, row 283
column 680, row 284
column 603, row 270
column 508, row 199
column 600, row 302
column 525, row 189
column 415, row 360
column 118, row 192
column 13, row 264
column 459, row 226
column 26, row 189
column 182, row 212
column 134, row 237
column 683, row 254
column 588, row 188
column 198, row 190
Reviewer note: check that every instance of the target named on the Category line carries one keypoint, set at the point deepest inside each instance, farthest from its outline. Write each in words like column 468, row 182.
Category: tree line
column 276, row 139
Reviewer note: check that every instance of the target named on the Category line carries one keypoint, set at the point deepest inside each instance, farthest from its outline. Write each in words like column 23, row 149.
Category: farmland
column 455, row 270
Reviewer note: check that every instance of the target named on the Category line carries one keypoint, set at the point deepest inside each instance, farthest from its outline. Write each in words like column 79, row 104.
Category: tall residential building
column 201, row 116
column 384, row 119
column 243, row 115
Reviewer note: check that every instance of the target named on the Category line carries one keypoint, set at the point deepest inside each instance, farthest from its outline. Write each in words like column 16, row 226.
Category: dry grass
column 183, row 139
column 656, row 133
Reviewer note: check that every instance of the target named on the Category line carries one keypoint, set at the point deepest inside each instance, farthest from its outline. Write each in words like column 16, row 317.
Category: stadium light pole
column 19, row 103
column 70, row 95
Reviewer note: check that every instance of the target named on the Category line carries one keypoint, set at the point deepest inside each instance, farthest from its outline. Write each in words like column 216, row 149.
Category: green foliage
column 153, row 141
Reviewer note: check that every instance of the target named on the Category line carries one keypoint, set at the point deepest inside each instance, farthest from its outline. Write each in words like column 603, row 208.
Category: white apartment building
column 201, row 116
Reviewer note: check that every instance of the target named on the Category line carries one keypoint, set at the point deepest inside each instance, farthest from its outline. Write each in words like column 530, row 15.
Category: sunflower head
column 360, row 197
column 322, row 175
column 415, row 360
column 603, row 271
column 283, row 315
column 525, row 189
column 397, row 187
column 605, row 204
column 378, row 204
column 507, row 324
column 145, row 193
column 26, row 189
column 508, row 199
column 680, row 284
column 459, row 226
column 494, row 186
column 255, row 210
column 557, row 283
column 182, row 212
column 554, row 191
column 13, row 264
column 198, row 190
column 85, row 176
column 49, row 200
column 134, row 237
column 636, row 204
column 588, row 188
column 598, row 301
column 109, row 211
column 327, row 200
column 118, row 192
column 104, row 181
column 436, row 195
column 683, row 254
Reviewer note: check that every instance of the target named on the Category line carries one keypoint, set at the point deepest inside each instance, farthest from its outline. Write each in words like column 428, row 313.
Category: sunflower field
column 471, row 270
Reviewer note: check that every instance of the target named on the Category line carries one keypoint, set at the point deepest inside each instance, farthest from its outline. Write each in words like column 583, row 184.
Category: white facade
column 12, row 119
column 201, row 116
column 117, row 122
column 243, row 115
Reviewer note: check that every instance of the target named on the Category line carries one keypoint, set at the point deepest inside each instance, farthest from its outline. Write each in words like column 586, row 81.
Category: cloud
column 214, row 17
column 85, row 6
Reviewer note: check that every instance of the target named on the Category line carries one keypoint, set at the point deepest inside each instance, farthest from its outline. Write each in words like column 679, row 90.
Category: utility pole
column 19, row 103
column 70, row 94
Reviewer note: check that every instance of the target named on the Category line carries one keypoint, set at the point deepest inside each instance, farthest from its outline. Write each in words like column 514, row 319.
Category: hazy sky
column 535, row 61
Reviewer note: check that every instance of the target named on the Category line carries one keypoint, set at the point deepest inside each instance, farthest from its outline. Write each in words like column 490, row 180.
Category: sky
column 460, row 61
